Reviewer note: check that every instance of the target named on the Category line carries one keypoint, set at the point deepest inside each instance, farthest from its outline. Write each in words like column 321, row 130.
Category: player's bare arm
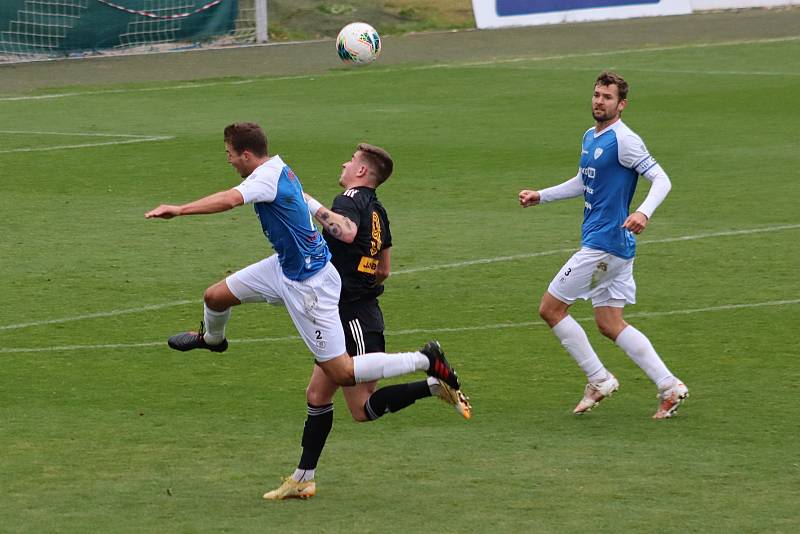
column 529, row 198
column 384, row 266
column 334, row 223
column 216, row 203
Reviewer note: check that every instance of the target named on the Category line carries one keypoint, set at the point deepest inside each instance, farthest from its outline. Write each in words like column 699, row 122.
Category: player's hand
column 164, row 211
column 636, row 222
column 529, row 198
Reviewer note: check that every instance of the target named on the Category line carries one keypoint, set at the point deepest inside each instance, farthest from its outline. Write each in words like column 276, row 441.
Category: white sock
column 303, row 475
column 215, row 324
column 574, row 339
column 377, row 365
column 641, row 351
column 433, row 385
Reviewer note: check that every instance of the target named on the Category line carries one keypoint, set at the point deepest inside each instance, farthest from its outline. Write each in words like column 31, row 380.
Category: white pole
column 261, row 21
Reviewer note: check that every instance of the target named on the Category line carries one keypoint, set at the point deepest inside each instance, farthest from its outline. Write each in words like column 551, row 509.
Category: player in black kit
column 356, row 229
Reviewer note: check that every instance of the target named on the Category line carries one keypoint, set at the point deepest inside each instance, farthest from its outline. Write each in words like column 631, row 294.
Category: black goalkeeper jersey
column 357, row 262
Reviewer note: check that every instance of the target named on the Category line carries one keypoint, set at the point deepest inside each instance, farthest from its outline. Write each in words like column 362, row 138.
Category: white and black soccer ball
column 358, row 43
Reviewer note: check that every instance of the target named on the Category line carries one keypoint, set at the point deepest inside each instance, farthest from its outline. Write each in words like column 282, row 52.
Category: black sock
column 395, row 398
column 318, row 424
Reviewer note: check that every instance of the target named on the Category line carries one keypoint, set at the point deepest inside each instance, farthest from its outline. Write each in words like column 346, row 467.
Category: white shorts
column 597, row 275
column 313, row 304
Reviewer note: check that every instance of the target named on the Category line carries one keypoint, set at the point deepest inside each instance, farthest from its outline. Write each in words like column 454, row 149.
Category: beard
column 602, row 116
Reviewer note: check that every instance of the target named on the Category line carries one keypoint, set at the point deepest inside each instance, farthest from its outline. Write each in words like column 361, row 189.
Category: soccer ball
column 358, row 43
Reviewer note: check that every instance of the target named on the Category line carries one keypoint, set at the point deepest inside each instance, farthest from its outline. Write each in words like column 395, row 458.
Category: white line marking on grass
column 76, row 134
column 615, row 52
column 111, row 313
column 499, row 61
column 657, row 71
column 140, row 89
column 480, row 261
column 128, row 138
column 497, row 326
column 691, row 311
column 497, row 259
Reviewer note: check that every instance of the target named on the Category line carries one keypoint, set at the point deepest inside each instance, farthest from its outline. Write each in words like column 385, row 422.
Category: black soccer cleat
column 439, row 367
column 195, row 340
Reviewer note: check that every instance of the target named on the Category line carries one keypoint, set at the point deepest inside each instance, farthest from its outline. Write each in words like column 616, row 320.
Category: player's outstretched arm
column 569, row 189
column 334, row 223
column 216, row 203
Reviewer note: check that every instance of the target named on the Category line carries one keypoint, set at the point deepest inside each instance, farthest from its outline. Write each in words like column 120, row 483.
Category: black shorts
column 363, row 327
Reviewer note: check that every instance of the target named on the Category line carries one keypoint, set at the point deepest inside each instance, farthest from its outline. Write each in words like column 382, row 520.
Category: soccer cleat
column 438, row 366
column 195, row 340
column 596, row 392
column 670, row 399
column 456, row 398
column 292, row 489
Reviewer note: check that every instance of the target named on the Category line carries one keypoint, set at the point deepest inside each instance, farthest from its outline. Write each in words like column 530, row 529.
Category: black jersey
column 357, row 262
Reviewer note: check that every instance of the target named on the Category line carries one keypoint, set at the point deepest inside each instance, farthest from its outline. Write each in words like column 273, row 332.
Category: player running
column 612, row 159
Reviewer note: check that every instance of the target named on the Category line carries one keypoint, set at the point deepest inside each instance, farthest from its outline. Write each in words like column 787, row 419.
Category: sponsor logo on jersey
column 587, row 171
column 377, row 243
column 368, row 265
column 598, row 152
column 350, row 193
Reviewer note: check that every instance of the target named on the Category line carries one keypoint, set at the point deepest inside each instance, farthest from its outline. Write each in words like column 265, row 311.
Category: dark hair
column 378, row 160
column 243, row 136
column 612, row 78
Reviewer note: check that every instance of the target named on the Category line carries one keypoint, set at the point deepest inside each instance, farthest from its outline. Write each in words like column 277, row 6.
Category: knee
column 544, row 313
column 550, row 315
column 610, row 329
column 212, row 298
column 360, row 415
column 317, row 398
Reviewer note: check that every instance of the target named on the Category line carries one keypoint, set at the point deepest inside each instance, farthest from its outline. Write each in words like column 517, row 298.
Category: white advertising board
column 501, row 13
column 699, row 5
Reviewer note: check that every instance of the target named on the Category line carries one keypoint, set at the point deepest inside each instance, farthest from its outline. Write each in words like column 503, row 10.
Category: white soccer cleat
column 670, row 399
column 596, row 392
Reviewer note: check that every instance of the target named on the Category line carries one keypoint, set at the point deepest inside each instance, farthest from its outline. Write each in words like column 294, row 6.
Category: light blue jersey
column 610, row 165
column 277, row 197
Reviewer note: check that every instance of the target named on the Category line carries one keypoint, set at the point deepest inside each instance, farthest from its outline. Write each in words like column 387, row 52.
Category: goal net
column 41, row 29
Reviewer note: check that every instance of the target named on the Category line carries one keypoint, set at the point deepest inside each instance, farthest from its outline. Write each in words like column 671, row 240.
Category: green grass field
column 103, row 428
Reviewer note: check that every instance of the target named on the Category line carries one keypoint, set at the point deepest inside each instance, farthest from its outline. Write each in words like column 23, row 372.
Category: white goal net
column 41, row 26
column 43, row 29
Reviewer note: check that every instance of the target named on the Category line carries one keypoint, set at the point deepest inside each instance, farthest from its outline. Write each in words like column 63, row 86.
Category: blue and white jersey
column 611, row 162
column 277, row 197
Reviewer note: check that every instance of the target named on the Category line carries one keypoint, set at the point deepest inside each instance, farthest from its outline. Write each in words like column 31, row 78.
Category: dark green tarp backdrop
column 99, row 25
